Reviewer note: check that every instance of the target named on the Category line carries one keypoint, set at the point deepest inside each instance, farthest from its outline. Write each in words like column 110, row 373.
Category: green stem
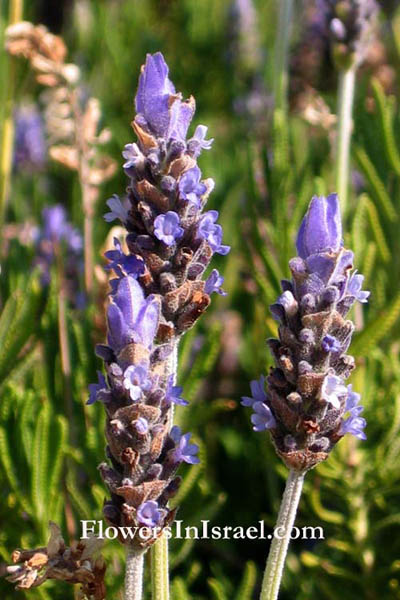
column 345, row 112
column 7, row 133
column 159, row 550
column 282, row 531
column 134, row 575
column 281, row 54
column 159, row 570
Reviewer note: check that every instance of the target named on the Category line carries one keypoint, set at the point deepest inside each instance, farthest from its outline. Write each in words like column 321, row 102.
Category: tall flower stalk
column 7, row 132
column 350, row 25
column 157, row 294
column 305, row 404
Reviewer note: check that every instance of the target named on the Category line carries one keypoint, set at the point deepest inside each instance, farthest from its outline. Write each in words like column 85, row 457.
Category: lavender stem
column 279, row 547
column 134, row 574
column 345, row 111
column 159, row 551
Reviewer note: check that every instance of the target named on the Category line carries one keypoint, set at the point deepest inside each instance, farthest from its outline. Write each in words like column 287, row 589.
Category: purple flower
column 167, row 229
column 173, row 393
column 262, row 418
column 184, row 450
column 29, row 147
column 354, row 424
column 157, row 103
column 99, row 391
column 141, row 425
column 57, row 228
column 123, row 264
column 354, row 288
column 330, row 344
column 149, row 514
column 333, row 389
column 133, row 157
column 190, row 188
column 258, row 392
column 285, row 305
column 54, row 222
column 214, row 283
column 117, row 210
column 131, row 317
column 136, row 380
column 198, row 142
column 211, row 232
column 321, row 228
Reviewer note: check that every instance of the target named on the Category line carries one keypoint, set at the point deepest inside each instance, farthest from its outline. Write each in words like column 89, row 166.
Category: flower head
column 306, row 398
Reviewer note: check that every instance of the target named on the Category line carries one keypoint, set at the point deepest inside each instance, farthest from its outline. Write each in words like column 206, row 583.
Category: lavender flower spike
column 305, row 400
column 158, row 292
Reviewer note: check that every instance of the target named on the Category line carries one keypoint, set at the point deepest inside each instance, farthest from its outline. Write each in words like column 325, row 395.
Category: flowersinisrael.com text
column 204, row 531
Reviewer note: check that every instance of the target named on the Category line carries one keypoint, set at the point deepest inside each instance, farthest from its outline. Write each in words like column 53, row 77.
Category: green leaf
column 385, row 118
column 377, row 328
column 378, row 187
column 247, row 585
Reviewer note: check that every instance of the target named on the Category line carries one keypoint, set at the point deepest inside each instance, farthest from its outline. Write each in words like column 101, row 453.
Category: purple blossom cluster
column 58, row 236
column 304, row 401
column 348, row 24
column 29, row 144
column 157, row 294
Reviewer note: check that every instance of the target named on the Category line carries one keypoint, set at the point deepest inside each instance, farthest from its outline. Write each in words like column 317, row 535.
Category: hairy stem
column 7, row 133
column 345, row 112
column 281, row 53
column 159, row 550
column 134, row 575
column 279, row 547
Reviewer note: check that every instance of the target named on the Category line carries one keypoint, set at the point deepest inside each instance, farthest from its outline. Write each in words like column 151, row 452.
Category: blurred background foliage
column 266, row 166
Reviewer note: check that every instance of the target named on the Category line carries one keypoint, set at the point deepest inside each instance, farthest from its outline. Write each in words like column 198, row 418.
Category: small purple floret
column 262, row 418
column 330, row 344
column 149, row 514
column 123, row 264
column 211, row 232
column 173, row 393
column 117, row 210
column 184, row 450
column 190, row 188
column 214, row 283
column 136, row 380
column 333, row 389
column 98, row 391
column 258, row 392
column 167, row 229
